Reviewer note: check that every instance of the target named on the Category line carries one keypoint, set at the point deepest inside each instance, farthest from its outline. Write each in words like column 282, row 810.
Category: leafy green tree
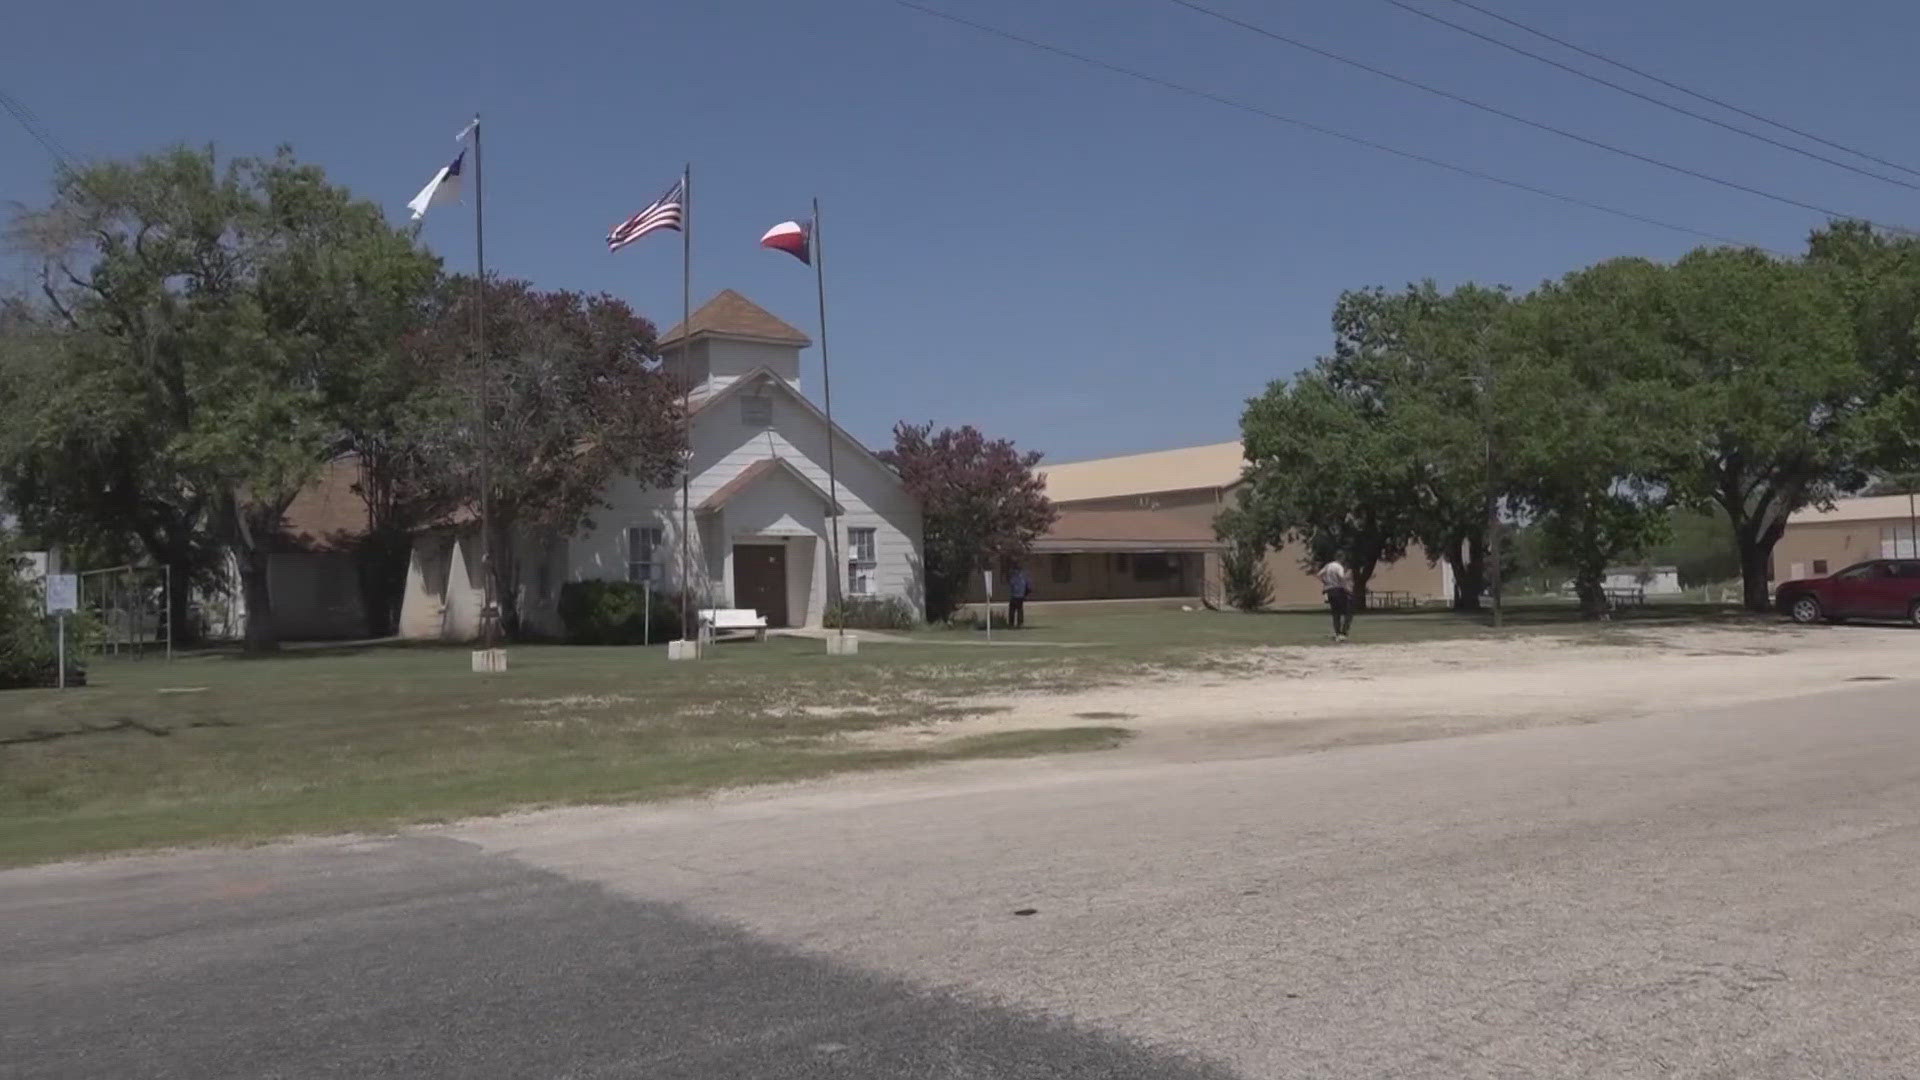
column 1600, row 421
column 1878, row 276
column 981, row 504
column 201, row 312
column 1428, row 362
column 1324, row 469
column 575, row 402
column 1774, row 401
column 393, row 413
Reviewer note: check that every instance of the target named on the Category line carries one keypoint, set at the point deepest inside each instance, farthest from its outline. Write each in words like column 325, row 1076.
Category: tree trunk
column 1756, row 557
column 1469, row 573
column 1757, row 527
column 260, row 635
column 1363, row 573
column 1591, row 589
column 381, row 562
column 181, row 630
column 506, row 579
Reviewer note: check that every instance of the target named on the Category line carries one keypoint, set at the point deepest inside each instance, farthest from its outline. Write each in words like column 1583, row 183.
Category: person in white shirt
column 1337, row 585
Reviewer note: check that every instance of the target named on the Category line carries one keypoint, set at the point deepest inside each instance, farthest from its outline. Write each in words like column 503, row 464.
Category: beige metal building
column 1820, row 542
column 1141, row 526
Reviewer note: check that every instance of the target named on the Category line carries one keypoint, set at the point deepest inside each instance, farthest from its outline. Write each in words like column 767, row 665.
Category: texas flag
column 791, row 237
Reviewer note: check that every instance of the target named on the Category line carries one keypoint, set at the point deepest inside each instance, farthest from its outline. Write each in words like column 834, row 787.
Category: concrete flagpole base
column 843, row 645
column 489, row 661
column 684, row 649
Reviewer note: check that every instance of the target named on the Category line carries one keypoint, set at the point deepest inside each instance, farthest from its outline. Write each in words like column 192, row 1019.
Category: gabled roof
column 754, row 473
column 327, row 514
column 1215, row 466
column 769, row 377
column 731, row 315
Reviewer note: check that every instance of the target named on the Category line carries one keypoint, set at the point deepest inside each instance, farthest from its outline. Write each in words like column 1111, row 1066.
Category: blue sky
column 1083, row 263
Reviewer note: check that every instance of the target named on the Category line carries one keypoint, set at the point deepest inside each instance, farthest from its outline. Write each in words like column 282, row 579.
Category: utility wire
column 34, row 127
column 1518, row 119
column 1650, row 77
column 1219, row 99
column 1681, row 109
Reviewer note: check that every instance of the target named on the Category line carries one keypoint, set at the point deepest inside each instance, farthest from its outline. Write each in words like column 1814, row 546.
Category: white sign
column 988, row 575
column 63, row 593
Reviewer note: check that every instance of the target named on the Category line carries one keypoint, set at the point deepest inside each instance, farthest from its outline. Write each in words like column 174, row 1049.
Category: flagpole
column 489, row 611
column 826, row 389
column 686, row 403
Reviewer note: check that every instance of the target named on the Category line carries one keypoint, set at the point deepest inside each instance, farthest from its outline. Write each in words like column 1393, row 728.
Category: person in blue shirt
column 1018, row 589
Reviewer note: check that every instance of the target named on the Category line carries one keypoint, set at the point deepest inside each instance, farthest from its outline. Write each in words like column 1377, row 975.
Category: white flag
column 443, row 188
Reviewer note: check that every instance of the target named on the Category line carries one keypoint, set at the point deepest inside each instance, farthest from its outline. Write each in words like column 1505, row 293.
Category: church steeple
column 730, row 336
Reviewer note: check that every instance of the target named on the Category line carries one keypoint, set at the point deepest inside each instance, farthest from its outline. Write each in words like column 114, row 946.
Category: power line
column 1668, row 83
column 1218, row 99
column 32, row 125
column 1681, row 109
column 1518, row 119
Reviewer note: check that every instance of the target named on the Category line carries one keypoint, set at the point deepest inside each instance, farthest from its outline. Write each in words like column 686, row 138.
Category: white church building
column 759, row 508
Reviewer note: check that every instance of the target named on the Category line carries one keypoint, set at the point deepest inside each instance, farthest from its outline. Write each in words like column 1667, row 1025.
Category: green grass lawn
column 213, row 747
column 210, row 747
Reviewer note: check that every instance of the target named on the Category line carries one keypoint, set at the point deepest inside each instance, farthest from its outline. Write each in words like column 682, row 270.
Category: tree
column 576, row 401
column 393, row 413
column 1427, row 361
column 981, row 504
column 200, row 313
column 1878, row 276
column 1777, row 404
column 1600, row 421
column 1324, row 469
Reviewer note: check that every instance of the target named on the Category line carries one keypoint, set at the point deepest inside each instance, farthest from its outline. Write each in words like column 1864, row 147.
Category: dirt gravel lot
column 1263, row 701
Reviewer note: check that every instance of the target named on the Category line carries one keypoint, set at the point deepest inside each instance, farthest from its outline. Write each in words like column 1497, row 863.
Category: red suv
column 1880, row 589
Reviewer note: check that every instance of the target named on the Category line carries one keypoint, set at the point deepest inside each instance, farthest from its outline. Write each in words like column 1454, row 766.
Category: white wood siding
column 729, row 360
column 777, row 505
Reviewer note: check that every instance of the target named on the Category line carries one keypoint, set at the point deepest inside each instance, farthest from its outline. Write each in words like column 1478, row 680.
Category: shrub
column 28, row 653
column 870, row 613
column 615, row 613
column 1244, row 576
column 977, row 620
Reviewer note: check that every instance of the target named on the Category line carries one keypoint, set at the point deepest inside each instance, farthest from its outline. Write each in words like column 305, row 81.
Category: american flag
column 663, row 213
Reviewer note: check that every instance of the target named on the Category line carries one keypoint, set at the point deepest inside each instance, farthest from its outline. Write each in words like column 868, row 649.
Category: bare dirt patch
column 1253, row 701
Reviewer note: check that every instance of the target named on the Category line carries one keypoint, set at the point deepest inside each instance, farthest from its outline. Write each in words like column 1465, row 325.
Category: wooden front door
column 760, row 580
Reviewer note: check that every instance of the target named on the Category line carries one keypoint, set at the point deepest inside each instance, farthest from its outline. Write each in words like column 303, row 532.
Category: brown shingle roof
column 732, row 315
column 327, row 513
column 1125, row 530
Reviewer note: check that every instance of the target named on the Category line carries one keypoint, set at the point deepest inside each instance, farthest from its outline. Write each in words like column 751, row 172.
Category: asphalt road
column 1730, row 894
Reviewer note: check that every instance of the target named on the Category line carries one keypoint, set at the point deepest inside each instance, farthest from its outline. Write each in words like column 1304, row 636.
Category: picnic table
column 1622, row 598
column 1391, row 598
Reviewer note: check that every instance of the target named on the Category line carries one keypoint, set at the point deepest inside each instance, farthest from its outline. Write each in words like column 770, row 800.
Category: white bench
column 720, row 620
